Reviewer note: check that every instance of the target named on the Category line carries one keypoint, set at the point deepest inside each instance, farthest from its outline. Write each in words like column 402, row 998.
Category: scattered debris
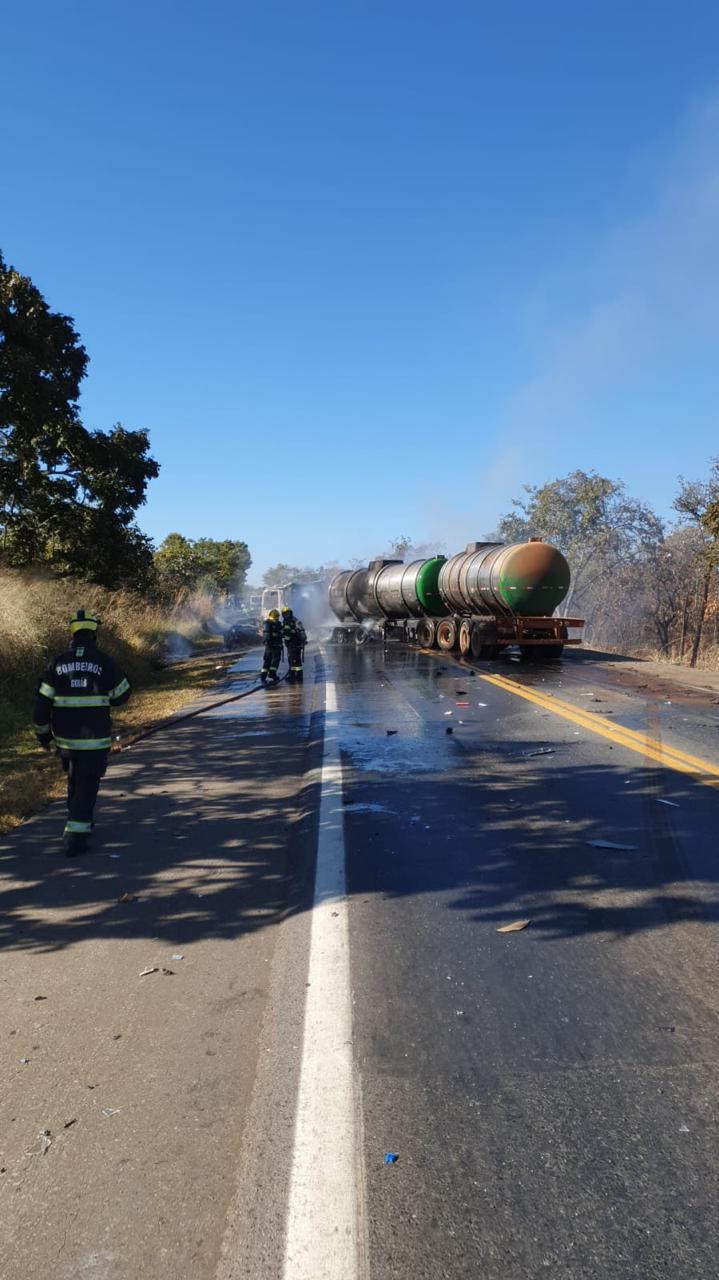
column 24, row 1061
column 514, row 927
column 111, row 1111
column 151, row 969
column 683, row 1128
column 117, row 1035
column 449, row 730
column 170, row 973
column 127, row 897
column 539, row 751
column 392, row 732
column 177, row 956
column 448, row 713
column 672, row 1029
column 481, row 704
column 69, row 1123
column 672, row 803
column 115, row 855
column 44, row 1142
column 39, row 997
column 609, row 844
column 391, row 1157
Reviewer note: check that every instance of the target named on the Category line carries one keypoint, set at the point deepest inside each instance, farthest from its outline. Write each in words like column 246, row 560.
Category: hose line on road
column 188, row 715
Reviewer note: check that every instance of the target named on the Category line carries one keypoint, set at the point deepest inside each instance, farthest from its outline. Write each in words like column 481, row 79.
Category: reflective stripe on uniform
column 77, row 828
column 46, row 690
column 120, row 688
column 82, row 700
column 83, row 744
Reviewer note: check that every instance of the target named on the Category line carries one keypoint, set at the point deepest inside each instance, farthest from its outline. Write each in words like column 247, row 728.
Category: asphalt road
column 550, row 1093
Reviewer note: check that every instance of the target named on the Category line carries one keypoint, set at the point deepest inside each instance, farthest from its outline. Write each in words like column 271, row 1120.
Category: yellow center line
column 650, row 748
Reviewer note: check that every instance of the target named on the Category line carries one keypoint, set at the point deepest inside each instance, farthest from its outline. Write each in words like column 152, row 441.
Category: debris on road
column 127, row 897
column 170, row 973
column 392, row 732
column 44, row 1142
column 449, row 729
column 69, row 1123
column 514, row 927
column 24, row 1061
column 111, row 1111
column 151, row 969
column 673, row 804
column 448, row 713
column 39, row 997
column 609, row 844
column 177, row 956
column 391, row 1157
column 538, row 751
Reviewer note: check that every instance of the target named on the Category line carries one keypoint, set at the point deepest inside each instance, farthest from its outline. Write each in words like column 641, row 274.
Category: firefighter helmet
column 273, row 615
column 83, row 620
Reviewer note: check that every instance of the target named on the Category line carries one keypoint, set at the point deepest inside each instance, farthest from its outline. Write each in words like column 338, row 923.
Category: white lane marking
column 323, row 1239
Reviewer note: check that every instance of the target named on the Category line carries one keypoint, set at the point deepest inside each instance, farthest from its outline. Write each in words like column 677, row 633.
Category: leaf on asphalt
column 152, row 969
column 609, row 844
column 514, row 927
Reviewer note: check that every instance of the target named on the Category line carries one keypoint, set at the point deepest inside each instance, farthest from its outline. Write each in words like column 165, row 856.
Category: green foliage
column 591, row 519
column 280, row 574
column 183, row 565
column 698, row 503
column 68, row 496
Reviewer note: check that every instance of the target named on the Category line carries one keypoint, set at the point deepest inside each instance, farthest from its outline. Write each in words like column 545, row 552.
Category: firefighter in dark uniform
column 295, row 638
column 72, row 710
column 272, row 636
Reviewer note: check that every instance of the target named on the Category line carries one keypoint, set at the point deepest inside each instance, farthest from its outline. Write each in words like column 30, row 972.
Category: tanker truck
column 487, row 597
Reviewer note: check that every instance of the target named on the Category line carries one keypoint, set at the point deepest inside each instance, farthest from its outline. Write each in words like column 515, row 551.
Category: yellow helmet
column 83, row 621
column 273, row 615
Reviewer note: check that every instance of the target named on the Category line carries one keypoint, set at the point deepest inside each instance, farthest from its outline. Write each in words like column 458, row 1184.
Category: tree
column 223, row 564
column 183, row 566
column 594, row 523
column 281, row 573
column 698, row 504
column 68, row 496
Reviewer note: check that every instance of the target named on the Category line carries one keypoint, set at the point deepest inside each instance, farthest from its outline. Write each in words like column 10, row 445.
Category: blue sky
column 367, row 268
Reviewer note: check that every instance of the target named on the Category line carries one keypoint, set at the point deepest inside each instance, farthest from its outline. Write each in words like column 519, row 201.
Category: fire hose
column 119, row 747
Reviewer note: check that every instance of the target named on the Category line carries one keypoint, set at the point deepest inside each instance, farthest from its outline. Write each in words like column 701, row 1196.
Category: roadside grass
column 30, row 777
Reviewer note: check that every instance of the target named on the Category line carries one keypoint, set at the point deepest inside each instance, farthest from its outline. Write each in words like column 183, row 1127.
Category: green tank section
column 532, row 578
column 427, row 587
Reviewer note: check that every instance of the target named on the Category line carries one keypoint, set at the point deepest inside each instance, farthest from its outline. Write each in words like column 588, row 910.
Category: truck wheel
column 480, row 646
column 427, row 633
column 447, row 634
column 361, row 636
column 465, row 638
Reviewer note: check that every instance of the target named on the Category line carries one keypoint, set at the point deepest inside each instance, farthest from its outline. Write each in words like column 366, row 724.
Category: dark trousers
column 84, row 771
column 294, row 657
column 271, row 660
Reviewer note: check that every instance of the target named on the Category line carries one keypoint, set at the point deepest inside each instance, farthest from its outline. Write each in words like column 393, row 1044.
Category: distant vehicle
column 308, row 600
column 487, row 597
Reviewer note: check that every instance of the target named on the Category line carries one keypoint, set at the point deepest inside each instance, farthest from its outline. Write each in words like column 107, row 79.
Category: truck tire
column 447, row 634
column 465, row 638
column 427, row 633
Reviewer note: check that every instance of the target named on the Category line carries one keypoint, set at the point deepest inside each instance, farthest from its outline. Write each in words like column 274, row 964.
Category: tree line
column 69, row 495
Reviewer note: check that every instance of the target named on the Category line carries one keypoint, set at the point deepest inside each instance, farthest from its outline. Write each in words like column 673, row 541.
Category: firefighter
column 272, row 636
column 72, row 710
column 295, row 638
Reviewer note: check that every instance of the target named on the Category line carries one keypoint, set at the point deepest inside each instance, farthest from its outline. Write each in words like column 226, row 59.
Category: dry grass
column 34, row 612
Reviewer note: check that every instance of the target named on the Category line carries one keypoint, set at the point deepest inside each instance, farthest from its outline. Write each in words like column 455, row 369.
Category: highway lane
column 552, row 1093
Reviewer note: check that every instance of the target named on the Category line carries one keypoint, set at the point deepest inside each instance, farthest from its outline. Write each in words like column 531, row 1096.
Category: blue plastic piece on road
column 391, row 1157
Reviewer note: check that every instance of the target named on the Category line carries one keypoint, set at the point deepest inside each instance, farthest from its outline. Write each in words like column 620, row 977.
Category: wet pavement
column 551, row 1093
